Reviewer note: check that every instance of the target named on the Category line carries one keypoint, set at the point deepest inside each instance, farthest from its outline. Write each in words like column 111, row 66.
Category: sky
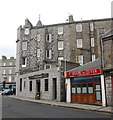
column 14, row 12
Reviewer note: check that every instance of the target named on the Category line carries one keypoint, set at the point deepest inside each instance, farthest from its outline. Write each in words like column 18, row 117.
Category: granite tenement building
column 41, row 46
column 7, row 69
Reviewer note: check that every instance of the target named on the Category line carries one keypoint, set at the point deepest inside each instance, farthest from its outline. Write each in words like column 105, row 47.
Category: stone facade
column 108, row 90
column 44, row 46
column 7, row 69
column 107, row 42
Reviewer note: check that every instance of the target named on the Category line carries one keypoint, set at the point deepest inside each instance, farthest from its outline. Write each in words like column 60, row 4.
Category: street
column 13, row 108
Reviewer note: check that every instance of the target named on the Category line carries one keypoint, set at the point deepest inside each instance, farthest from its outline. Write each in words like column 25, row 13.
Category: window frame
column 26, row 31
column 60, row 30
column 80, row 61
column 78, row 27
column 81, row 43
column 24, row 45
column 60, row 45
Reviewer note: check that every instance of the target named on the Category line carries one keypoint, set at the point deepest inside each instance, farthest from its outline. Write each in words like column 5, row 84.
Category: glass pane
column 78, row 89
column 73, row 90
column 90, row 88
column 97, row 87
column 84, row 89
column 98, row 96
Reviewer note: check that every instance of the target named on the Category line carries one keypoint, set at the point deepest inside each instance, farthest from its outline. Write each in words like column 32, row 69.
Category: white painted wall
column 68, row 90
column 103, row 91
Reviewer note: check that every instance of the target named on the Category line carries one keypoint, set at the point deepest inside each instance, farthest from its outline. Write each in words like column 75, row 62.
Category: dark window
column 46, row 84
column 101, row 30
column 20, row 84
column 30, row 85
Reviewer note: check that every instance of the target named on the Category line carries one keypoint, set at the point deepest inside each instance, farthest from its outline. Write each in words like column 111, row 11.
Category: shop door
column 54, row 88
column 98, row 95
column 86, row 93
column 38, row 86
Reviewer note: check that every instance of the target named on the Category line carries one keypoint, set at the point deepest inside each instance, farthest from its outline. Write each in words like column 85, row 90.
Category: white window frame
column 91, row 26
column 10, row 78
column 10, row 63
column 38, row 37
column 26, row 31
column 93, row 57
column 10, row 71
column 4, row 71
column 92, row 42
column 79, row 43
column 38, row 52
column 24, row 65
column 49, row 36
column 60, row 58
column 60, row 45
column 46, row 66
column 80, row 59
column 79, row 27
column 60, row 30
column 49, row 56
column 4, row 64
column 24, row 45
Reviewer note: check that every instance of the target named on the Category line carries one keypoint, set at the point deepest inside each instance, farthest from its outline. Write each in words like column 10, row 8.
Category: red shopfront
column 86, row 86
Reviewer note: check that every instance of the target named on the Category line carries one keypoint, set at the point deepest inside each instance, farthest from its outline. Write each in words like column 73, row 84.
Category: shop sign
column 83, row 72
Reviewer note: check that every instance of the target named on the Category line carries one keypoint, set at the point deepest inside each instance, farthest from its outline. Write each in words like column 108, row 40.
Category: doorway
column 54, row 88
column 37, row 86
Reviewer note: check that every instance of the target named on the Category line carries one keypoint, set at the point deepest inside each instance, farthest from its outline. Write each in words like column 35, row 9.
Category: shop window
column 30, row 85
column 46, row 84
column 90, row 88
column 73, row 89
column 98, row 96
column 78, row 89
column 84, row 89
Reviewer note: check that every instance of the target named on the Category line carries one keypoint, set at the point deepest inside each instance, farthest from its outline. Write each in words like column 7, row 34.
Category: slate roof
column 89, row 65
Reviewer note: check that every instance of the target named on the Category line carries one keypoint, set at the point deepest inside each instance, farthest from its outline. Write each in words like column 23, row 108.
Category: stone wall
column 108, row 90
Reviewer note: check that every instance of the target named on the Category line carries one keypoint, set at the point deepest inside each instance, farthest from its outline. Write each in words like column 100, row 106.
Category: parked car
column 7, row 91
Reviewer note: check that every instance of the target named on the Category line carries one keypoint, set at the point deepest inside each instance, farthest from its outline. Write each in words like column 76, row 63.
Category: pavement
column 88, row 107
